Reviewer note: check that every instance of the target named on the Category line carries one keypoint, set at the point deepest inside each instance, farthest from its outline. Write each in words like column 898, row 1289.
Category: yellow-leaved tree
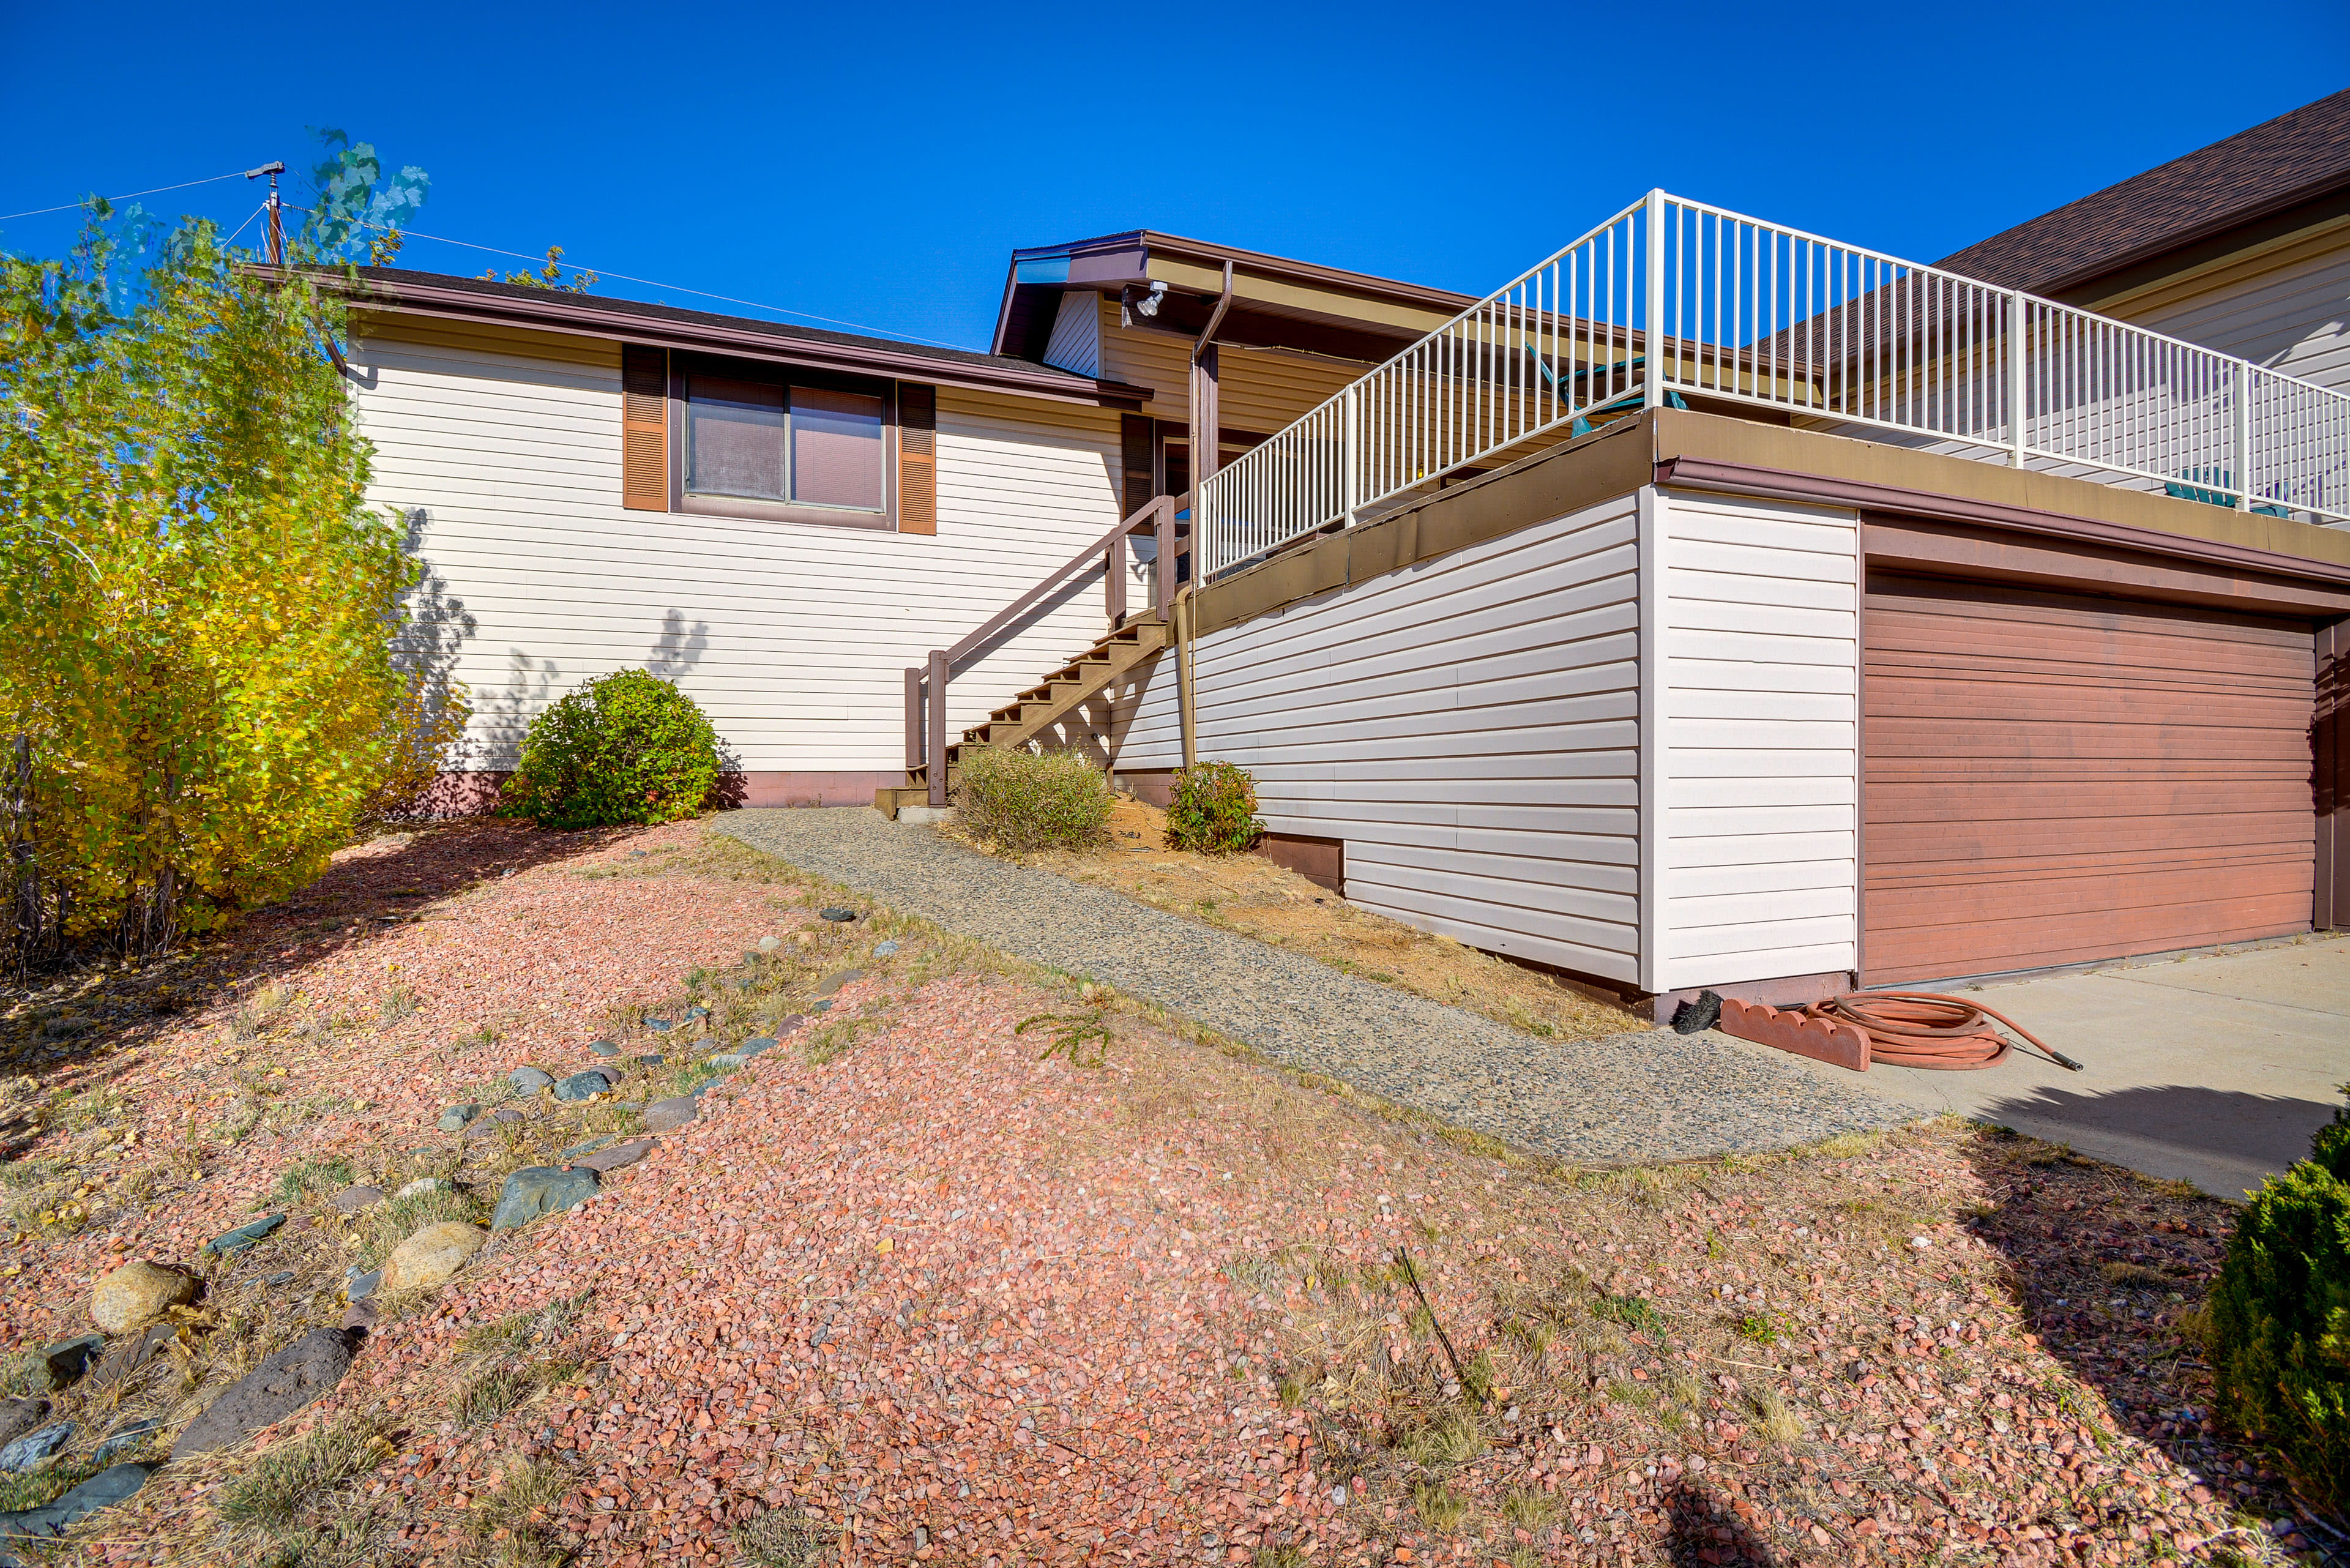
column 199, row 693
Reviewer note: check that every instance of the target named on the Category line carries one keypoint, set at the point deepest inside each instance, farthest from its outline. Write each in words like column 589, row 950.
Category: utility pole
column 277, row 218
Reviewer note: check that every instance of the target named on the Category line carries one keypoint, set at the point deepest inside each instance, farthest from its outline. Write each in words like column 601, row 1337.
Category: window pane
column 837, row 449
column 735, row 438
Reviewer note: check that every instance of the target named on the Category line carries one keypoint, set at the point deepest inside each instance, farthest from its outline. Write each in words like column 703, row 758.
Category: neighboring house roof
column 1277, row 302
column 2286, row 162
column 663, row 326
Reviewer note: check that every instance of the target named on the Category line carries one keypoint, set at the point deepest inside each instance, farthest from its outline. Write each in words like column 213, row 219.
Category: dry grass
column 1251, row 896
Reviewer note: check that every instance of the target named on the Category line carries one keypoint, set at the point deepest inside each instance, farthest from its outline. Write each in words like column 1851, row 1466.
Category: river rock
column 432, row 1256
column 727, row 1061
column 302, row 1372
column 426, row 1184
column 18, row 1416
column 109, row 1487
column 496, row 1122
column 530, row 1080
column 358, row 1287
column 457, row 1118
column 540, row 1189
column 34, row 1447
column 833, row 982
column 125, row 1356
column 229, row 1243
column 605, row 1160
column 584, row 1085
column 769, row 944
column 883, row 950
column 123, row 1438
column 135, row 1294
column 62, row 1364
column 351, row 1200
column 668, row 1115
column 604, row 1047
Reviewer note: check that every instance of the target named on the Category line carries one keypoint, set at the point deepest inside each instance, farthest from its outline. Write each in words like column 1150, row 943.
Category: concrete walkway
column 2213, row 1069
column 1644, row 1096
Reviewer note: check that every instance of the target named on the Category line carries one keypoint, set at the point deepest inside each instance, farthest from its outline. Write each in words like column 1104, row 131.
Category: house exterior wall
column 1076, row 341
column 2292, row 314
column 1469, row 726
column 1753, row 799
column 1257, row 389
column 793, row 638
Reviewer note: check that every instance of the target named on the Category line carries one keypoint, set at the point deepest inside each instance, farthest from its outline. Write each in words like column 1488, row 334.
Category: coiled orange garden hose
column 1928, row 1029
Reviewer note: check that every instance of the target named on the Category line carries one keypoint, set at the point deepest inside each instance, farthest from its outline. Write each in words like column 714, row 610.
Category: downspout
column 1186, row 704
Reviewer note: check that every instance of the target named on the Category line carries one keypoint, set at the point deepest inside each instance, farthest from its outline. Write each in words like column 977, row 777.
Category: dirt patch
column 1251, row 896
column 980, row 1268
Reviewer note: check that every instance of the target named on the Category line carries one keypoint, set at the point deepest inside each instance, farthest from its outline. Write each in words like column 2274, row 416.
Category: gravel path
column 1644, row 1096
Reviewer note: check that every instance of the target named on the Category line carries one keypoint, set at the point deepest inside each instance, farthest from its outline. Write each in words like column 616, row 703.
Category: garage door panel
column 2058, row 778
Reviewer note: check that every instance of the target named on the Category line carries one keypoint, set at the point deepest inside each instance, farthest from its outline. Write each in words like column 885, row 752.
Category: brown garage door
column 2053, row 778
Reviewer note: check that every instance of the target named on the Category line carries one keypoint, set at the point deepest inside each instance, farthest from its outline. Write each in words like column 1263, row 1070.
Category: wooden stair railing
column 1129, row 643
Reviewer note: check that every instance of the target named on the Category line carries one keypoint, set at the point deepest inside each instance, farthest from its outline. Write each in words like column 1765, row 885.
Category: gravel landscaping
column 930, row 1257
column 1643, row 1096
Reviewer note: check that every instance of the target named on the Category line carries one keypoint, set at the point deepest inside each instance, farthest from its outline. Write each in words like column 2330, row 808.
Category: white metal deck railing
column 1673, row 296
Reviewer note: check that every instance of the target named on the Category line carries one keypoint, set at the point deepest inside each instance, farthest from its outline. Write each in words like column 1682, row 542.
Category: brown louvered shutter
column 644, row 428
column 1134, row 448
column 918, row 458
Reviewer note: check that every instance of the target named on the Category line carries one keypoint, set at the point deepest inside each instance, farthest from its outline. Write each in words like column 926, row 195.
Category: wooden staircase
column 1092, row 675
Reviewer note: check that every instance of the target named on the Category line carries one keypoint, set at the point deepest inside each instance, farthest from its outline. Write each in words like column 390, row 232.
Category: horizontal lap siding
column 793, row 638
column 2296, row 319
column 1757, row 798
column 2058, row 778
column 1256, row 390
column 1469, row 727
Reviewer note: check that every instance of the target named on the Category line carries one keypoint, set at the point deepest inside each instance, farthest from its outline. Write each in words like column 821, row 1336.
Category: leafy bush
column 628, row 747
column 1215, row 810
column 199, row 693
column 1024, row 801
column 2279, row 1318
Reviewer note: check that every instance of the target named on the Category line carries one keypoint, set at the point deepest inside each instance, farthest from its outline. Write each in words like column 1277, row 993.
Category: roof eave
column 559, row 312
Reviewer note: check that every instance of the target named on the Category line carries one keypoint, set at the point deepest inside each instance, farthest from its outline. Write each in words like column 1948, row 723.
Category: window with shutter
column 644, row 428
column 918, row 458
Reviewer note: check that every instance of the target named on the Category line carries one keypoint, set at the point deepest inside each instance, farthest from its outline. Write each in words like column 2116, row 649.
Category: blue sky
column 874, row 163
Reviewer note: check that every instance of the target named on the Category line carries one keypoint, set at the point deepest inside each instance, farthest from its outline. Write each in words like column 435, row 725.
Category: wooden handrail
column 1083, row 560
column 926, row 685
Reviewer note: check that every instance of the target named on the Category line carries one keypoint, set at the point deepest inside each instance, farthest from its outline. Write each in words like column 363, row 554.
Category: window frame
column 747, row 508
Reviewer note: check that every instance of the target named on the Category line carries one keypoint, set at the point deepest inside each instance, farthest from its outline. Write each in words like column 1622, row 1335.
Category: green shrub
column 2279, row 1319
column 1024, row 801
column 629, row 747
column 1215, row 810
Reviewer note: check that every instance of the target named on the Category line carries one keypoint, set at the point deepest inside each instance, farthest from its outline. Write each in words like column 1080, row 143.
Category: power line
column 66, row 207
column 681, row 288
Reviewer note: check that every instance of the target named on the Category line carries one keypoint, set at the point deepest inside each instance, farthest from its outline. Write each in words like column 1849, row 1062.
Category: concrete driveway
column 2215, row 1069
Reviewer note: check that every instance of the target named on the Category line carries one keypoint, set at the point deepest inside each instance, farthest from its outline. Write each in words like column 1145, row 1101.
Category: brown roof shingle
column 2252, row 174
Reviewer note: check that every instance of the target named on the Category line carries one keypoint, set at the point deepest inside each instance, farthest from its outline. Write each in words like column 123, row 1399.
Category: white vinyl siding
column 1076, row 342
column 793, row 637
column 2296, row 319
column 1757, row 773
column 1469, row 726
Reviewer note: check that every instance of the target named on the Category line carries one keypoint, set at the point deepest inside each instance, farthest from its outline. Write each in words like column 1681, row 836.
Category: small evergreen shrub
column 628, row 747
column 1024, row 801
column 1215, row 810
column 2279, row 1319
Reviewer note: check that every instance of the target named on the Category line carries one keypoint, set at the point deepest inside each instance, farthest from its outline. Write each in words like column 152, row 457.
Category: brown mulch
column 1252, row 895
column 912, row 1290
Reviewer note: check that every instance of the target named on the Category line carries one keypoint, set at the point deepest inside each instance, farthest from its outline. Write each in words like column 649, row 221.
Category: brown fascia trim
column 1748, row 479
column 1143, row 243
column 569, row 314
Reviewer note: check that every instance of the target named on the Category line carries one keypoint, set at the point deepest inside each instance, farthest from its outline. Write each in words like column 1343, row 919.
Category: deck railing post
column 2019, row 382
column 914, row 751
column 2243, row 436
column 1350, row 450
column 936, row 755
column 1114, row 582
column 1162, row 531
column 1652, row 310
